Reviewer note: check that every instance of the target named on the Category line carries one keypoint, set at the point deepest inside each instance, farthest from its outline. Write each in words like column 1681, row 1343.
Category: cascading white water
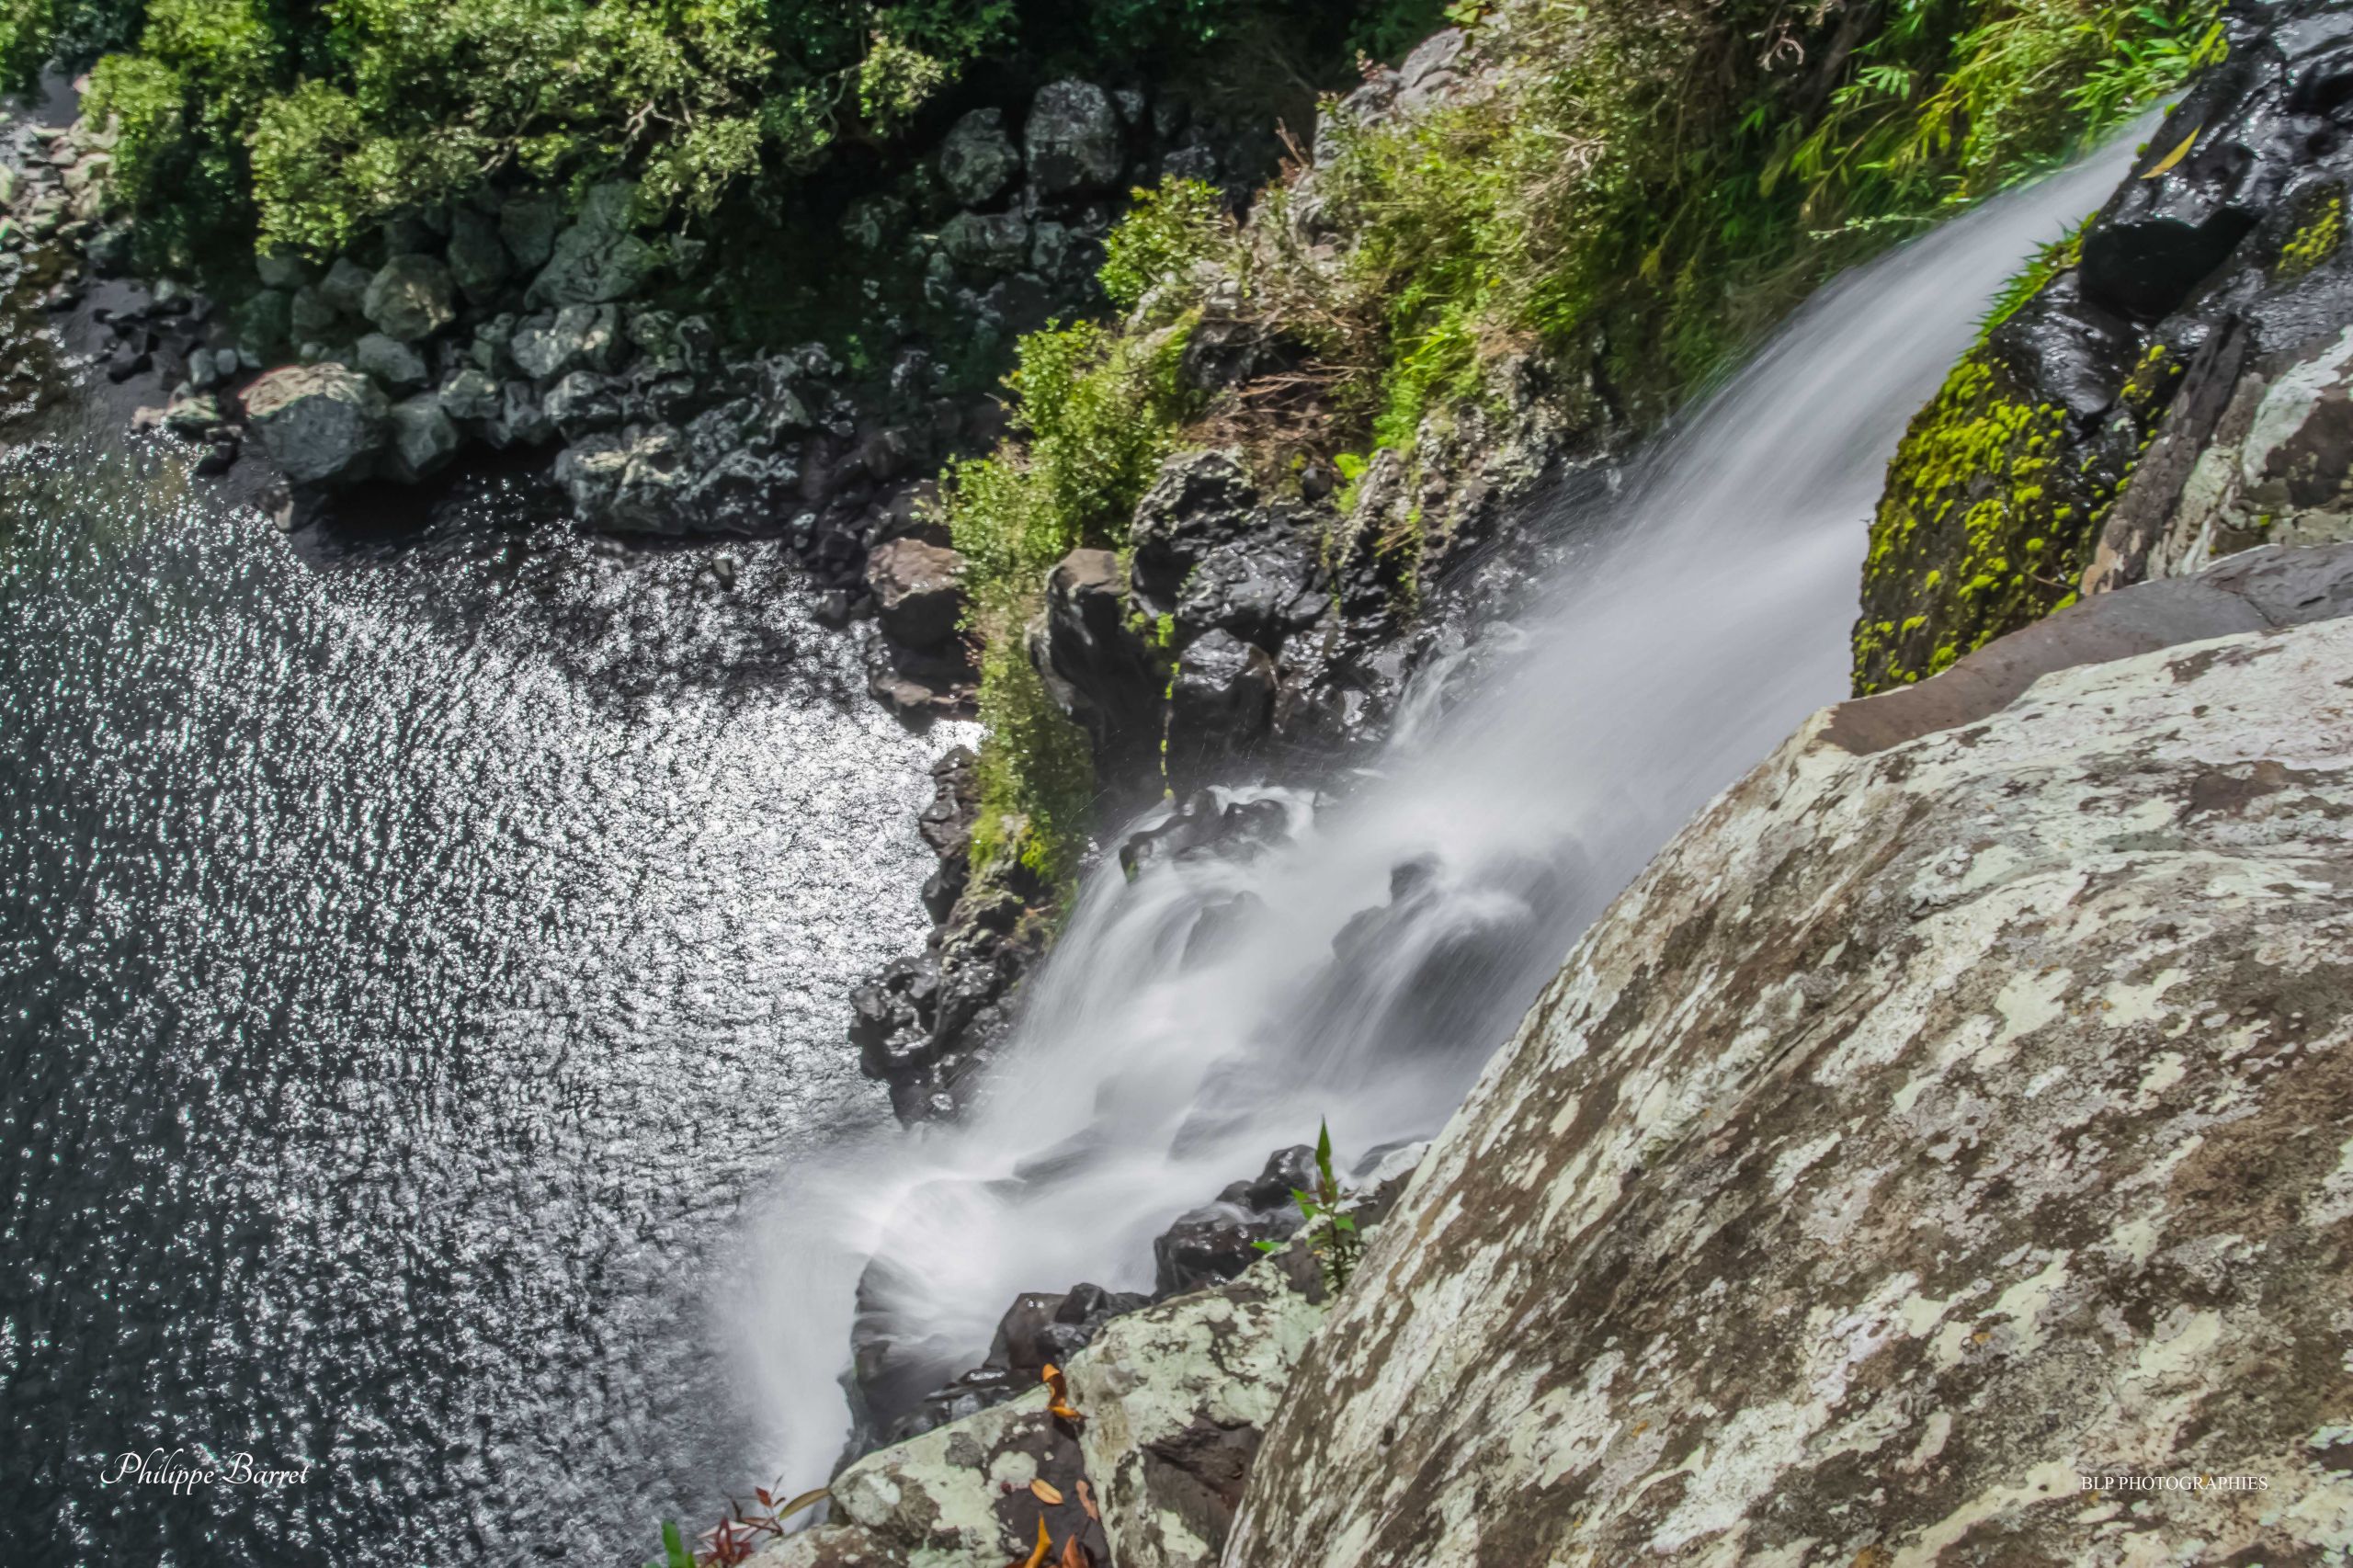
column 1705, row 615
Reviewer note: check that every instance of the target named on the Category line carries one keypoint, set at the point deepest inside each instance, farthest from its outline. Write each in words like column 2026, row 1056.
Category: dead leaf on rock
column 1044, row 1493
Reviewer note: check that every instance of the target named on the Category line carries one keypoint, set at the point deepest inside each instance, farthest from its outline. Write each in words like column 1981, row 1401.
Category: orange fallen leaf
column 1037, row 1558
column 1060, row 1404
column 1044, row 1493
column 1076, row 1555
column 1086, row 1500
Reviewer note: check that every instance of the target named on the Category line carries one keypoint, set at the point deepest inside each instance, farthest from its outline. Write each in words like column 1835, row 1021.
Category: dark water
column 413, row 957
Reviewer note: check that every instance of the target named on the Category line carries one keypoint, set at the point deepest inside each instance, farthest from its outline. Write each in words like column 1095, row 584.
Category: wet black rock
column 1220, row 702
column 1218, row 1240
column 1204, row 823
column 1198, row 501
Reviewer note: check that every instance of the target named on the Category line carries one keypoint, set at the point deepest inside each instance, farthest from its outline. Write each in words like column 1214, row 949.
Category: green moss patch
column 1992, row 511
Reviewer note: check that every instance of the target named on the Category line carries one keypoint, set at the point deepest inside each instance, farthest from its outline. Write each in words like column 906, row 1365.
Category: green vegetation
column 1099, row 411
column 2048, row 263
column 298, row 124
column 1640, row 193
column 1667, row 181
column 1992, row 511
column 1337, row 1242
column 2318, row 238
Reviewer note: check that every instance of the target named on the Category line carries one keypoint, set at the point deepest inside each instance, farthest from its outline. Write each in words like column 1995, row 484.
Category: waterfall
column 1364, row 969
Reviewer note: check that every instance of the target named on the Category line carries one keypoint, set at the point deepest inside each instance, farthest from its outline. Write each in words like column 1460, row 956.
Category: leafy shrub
column 1161, row 236
column 1098, row 412
column 312, row 121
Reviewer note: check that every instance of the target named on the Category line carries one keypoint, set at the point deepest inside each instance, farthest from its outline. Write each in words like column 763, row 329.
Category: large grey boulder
column 956, row 1497
column 397, row 365
column 978, row 160
column 596, row 258
column 345, row 287
column 1098, row 667
column 423, row 438
column 585, row 401
column 521, row 419
column 1177, row 1398
column 918, row 590
column 987, row 242
column 478, row 258
column 470, row 394
column 1073, row 140
column 1954, row 1115
column 410, row 298
column 1172, row 1400
column 322, row 424
column 528, row 225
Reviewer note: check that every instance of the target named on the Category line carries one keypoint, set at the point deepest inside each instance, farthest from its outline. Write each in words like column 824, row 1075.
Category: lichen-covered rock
column 1176, row 1398
column 410, row 298
column 978, row 160
column 577, row 337
column 585, row 401
column 1173, row 1398
column 323, row 425
column 1957, row 1112
column 989, row 242
column 471, row 395
column 633, row 481
column 957, row 1497
column 1073, row 139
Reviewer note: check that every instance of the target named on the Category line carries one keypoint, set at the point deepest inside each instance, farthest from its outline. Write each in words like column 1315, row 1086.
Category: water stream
column 1364, row 970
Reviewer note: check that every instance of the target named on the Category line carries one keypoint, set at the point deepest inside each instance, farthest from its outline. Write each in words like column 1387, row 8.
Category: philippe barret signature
column 184, row 1470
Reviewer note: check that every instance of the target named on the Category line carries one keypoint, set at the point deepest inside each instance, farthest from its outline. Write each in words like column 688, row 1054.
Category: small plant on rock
column 1339, row 1245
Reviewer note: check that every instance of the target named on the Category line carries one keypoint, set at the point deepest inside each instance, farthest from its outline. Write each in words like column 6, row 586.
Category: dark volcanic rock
column 1219, row 704
column 1218, row 1240
column 1104, row 669
column 918, row 590
column 1073, row 140
column 1200, row 500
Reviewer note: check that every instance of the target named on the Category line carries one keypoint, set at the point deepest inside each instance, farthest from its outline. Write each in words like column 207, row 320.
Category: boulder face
column 918, row 590
column 1074, row 139
column 1959, row 1112
column 410, row 298
column 596, row 258
column 323, row 425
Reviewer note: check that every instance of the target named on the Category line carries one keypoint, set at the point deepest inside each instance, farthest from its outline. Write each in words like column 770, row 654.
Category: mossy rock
column 1993, row 507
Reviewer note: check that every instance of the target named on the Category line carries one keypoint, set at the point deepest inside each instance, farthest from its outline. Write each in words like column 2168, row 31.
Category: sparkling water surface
column 416, row 951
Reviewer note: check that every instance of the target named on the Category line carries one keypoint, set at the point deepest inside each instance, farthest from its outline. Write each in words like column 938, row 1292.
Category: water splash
column 1364, row 970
